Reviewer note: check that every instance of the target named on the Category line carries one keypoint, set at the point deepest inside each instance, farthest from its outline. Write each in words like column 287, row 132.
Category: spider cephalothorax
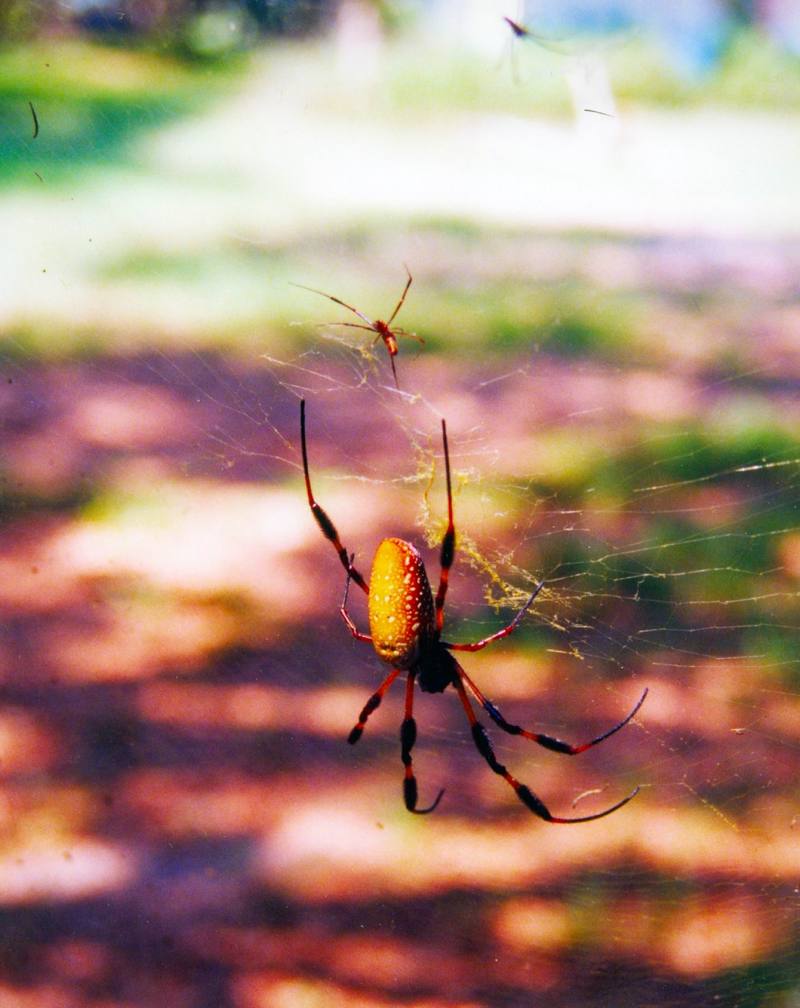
column 406, row 622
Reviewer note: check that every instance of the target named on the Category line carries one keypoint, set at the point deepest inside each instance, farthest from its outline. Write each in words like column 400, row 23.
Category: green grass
column 92, row 103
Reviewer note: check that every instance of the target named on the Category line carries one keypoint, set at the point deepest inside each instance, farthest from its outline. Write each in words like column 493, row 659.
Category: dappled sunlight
column 778, row 713
column 113, row 646
column 700, row 842
column 47, row 450
column 394, row 965
column 27, row 746
column 198, row 537
column 512, row 676
column 251, row 707
column 790, row 553
column 710, row 933
column 42, row 463
column 44, row 995
column 77, row 869
column 538, row 925
column 160, row 579
column 35, row 810
column 357, row 961
column 80, row 960
column 719, row 932
column 328, row 853
column 365, row 961
column 727, row 688
column 281, row 990
column 139, row 419
column 652, row 396
column 48, row 851
column 30, row 579
column 180, row 803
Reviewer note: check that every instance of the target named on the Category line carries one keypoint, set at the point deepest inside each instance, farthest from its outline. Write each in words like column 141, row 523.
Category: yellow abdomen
column 400, row 603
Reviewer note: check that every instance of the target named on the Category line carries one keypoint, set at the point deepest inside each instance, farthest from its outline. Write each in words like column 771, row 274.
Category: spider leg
column 394, row 369
column 408, row 736
column 547, row 741
column 372, row 704
column 518, row 29
column 512, row 626
column 347, row 325
column 320, row 516
column 346, row 616
column 391, row 350
column 410, row 335
column 402, row 298
column 448, row 542
column 524, row 793
column 338, row 301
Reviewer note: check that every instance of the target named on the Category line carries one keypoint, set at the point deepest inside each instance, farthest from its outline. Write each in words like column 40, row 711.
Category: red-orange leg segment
column 524, row 793
column 372, row 704
column 448, row 542
column 322, row 519
column 408, row 736
column 346, row 616
column 348, row 325
column 344, row 304
column 512, row 626
column 402, row 297
column 547, row 741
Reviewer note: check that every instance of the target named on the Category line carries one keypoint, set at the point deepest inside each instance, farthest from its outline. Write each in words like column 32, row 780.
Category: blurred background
column 601, row 214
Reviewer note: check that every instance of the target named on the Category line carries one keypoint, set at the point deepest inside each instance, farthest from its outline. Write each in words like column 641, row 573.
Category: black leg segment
column 408, row 736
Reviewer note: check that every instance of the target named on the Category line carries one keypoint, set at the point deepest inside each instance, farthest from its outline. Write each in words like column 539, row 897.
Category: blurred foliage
column 194, row 27
column 92, row 103
column 21, row 19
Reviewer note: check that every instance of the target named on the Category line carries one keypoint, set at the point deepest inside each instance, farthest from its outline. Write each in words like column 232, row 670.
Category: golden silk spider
column 383, row 330
column 406, row 621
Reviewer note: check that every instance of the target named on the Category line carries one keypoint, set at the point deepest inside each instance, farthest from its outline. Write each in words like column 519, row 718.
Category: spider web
column 617, row 362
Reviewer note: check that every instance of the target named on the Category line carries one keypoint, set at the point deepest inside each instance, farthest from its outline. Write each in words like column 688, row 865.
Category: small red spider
column 406, row 624
column 383, row 330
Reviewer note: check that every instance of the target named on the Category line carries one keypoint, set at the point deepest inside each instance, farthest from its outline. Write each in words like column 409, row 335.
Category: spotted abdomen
column 400, row 603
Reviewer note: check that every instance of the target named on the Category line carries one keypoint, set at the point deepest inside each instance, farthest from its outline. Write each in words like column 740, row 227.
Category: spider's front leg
column 522, row 791
column 372, row 704
column 327, row 527
column 448, row 549
column 499, row 634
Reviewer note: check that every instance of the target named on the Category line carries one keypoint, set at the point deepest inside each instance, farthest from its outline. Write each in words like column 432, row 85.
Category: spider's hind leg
column 522, row 791
column 547, row 741
column 408, row 736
